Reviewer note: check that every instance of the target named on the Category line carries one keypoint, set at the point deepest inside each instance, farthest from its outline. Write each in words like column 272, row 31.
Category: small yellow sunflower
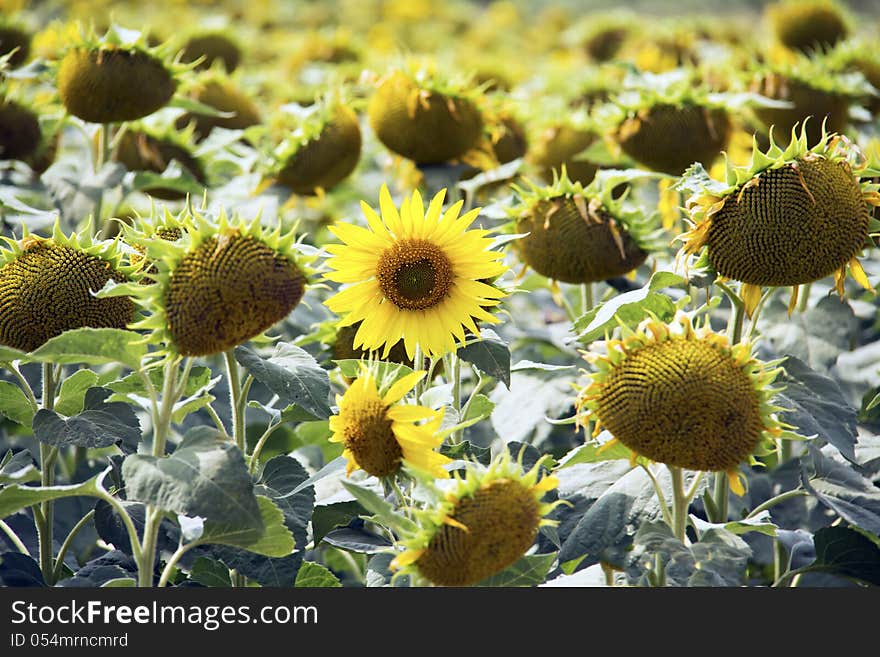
column 415, row 275
column 683, row 396
column 379, row 433
column 487, row 521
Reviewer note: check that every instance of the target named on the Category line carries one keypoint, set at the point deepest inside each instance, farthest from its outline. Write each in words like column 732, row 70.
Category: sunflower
column 482, row 525
column 212, row 46
column 116, row 78
column 682, row 396
column 790, row 218
column 578, row 234
column 216, row 89
column 379, row 433
column 807, row 25
column 416, row 275
column 14, row 37
column 220, row 284
column 47, row 286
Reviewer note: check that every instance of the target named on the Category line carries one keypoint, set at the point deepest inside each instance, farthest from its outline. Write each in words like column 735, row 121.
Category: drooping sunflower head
column 666, row 122
column 414, row 274
column 814, row 89
column 116, row 78
column 859, row 55
column 578, row 234
column 682, row 396
column 20, row 133
column 47, row 286
column 221, row 283
column 216, row 89
column 791, row 217
column 425, row 116
column 211, row 46
column 601, row 36
column 325, row 47
column 14, row 36
column 152, row 148
column 317, row 146
column 380, row 433
column 560, row 135
column 808, row 25
column 481, row 525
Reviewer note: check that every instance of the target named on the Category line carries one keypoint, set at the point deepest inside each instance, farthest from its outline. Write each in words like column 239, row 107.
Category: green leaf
column 357, row 540
column 205, row 476
column 385, row 370
column 530, row 570
column 839, row 487
column 761, row 523
column 189, row 405
column 199, row 380
column 292, row 374
column 314, row 575
column 848, row 553
column 15, row 498
column 818, row 406
column 72, row 392
column 279, row 477
column 381, row 509
column 175, row 177
column 195, row 107
column 15, row 405
column 330, row 516
column 209, row 572
column 465, row 450
column 269, row 537
column 490, row 355
column 8, row 354
column 480, row 407
column 119, row 583
column 18, row 468
column 589, row 453
column 630, row 308
column 95, row 346
column 99, row 425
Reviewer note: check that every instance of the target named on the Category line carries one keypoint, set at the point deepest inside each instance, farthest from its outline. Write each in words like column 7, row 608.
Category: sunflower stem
column 661, row 498
column 804, row 299
column 261, row 443
column 235, row 399
column 773, row 501
column 59, row 561
column 680, row 504
column 418, row 366
column 45, row 521
column 586, row 298
column 455, row 362
column 720, row 495
column 13, row 537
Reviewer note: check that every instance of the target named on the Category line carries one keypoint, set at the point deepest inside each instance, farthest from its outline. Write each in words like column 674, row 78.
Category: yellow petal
column 751, row 296
column 858, row 274
column 792, row 302
column 400, row 388
column 409, row 413
column 389, row 211
column 406, row 558
column 735, row 482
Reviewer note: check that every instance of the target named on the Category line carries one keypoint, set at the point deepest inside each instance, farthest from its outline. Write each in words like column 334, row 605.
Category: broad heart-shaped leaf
column 490, row 355
column 530, row 570
column 209, row 572
column 100, row 424
column 14, row 404
column 843, row 490
column 847, row 552
column 280, row 476
column 817, row 406
column 199, row 379
column 357, row 540
column 293, row 375
column 17, row 497
column 93, row 346
column 760, row 523
column 18, row 468
column 72, row 393
column 270, row 537
column 630, row 308
column 589, row 453
column 718, row 559
column 8, row 354
column 314, row 575
column 330, row 516
column 205, row 476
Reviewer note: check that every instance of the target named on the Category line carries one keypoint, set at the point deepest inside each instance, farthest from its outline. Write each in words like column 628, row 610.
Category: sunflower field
column 374, row 293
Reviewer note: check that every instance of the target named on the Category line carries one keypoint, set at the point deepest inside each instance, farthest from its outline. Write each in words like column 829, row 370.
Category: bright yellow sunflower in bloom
column 379, row 433
column 415, row 274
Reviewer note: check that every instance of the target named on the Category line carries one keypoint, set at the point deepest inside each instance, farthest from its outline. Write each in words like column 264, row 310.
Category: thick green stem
column 721, row 496
column 661, row 498
column 148, row 547
column 258, row 448
column 235, row 399
column 59, row 561
column 804, row 300
column 773, row 501
column 45, row 521
column 455, row 363
column 586, row 297
column 679, row 504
